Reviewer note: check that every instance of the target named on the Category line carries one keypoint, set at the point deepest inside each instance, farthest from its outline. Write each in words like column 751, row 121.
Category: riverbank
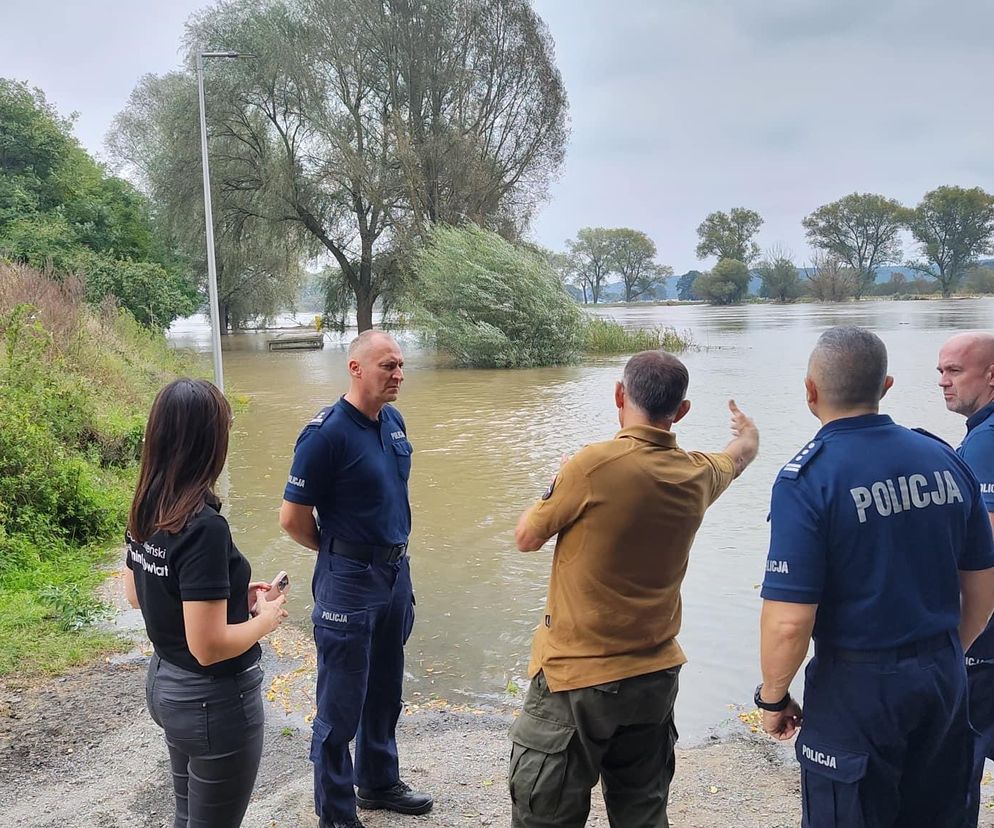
column 81, row 750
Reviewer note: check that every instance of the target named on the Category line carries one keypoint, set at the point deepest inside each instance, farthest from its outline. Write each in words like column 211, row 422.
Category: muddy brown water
column 486, row 443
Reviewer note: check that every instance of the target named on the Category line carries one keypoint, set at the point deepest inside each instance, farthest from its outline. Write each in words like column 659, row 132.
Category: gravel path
column 82, row 751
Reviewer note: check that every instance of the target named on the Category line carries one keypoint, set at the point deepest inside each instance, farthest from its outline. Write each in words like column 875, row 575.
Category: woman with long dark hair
column 194, row 589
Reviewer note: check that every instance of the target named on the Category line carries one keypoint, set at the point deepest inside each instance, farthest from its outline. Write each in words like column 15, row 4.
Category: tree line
column 853, row 237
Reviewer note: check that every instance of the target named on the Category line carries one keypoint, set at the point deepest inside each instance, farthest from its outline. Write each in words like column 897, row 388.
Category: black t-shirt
column 198, row 563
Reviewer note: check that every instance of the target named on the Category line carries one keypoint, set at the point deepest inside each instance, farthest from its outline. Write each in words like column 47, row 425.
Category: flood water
column 486, row 443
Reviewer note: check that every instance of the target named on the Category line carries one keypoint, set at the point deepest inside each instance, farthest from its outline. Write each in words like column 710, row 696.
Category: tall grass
column 75, row 386
column 605, row 336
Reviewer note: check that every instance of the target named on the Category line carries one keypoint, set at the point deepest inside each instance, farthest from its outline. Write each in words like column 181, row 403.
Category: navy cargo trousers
column 363, row 615
column 886, row 741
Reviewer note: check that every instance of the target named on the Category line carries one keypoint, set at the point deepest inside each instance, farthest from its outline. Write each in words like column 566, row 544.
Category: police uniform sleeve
column 795, row 565
column 978, row 452
column 563, row 502
column 201, row 559
column 311, row 470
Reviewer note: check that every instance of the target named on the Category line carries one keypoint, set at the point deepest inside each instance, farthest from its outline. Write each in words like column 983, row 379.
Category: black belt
column 368, row 553
column 917, row 648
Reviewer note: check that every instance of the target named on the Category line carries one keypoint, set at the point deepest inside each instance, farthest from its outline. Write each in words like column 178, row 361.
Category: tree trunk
column 364, row 312
column 224, row 312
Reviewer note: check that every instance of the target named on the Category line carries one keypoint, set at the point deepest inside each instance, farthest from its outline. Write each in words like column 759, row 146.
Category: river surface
column 487, row 442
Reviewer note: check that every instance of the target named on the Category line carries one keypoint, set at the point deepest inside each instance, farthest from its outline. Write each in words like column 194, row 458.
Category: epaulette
column 321, row 416
column 933, row 436
column 314, row 423
column 796, row 465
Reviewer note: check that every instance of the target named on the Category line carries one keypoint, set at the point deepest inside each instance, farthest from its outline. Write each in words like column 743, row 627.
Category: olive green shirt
column 626, row 511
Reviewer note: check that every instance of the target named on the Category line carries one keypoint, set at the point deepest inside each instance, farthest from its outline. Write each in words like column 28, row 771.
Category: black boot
column 350, row 823
column 399, row 798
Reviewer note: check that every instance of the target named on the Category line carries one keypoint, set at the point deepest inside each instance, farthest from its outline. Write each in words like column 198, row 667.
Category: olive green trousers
column 621, row 733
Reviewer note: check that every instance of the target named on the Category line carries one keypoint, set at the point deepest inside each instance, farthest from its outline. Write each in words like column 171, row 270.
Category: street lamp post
column 209, row 219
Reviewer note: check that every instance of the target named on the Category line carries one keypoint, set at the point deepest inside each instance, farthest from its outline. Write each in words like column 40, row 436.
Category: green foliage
column 605, row 336
column 730, row 235
column 685, row 286
column 491, row 304
column 953, row 226
column 979, row 280
column 726, row 284
column 74, row 389
column 862, row 231
column 781, row 281
column 60, row 211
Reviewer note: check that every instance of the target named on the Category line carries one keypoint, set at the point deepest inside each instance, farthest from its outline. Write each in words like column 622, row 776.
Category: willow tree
column 356, row 123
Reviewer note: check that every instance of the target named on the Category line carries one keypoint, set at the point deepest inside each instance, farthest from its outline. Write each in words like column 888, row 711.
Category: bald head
column 966, row 371
column 849, row 368
column 367, row 342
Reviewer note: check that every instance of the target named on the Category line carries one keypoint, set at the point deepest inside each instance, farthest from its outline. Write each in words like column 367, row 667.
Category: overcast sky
column 678, row 107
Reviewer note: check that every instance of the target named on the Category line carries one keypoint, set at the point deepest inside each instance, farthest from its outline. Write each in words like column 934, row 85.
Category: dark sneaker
column 352, row 823
column 399, row 798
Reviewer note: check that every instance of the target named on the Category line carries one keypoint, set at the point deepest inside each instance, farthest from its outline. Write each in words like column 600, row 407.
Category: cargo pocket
column 409, row 619
column 341, row 636
column 320, row 731
column 830, row 782
column 539, row 764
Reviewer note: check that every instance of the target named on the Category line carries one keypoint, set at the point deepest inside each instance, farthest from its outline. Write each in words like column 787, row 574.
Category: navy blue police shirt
column 977, row 449
column 354, row 471
column 872, row 521
column 198, row 563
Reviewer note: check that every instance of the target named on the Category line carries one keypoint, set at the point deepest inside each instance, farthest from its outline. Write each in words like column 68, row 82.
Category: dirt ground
column 82, row 751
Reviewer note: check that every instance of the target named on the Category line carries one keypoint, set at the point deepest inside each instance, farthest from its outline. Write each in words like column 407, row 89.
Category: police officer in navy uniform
column 881, row 551
column 966, row 377
column 351, row 466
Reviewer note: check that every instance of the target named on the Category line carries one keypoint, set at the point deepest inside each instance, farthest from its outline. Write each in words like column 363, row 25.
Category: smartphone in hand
column 280, row 585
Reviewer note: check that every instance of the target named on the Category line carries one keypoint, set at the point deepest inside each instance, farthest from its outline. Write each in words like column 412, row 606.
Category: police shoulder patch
column 933, row 436
column 799, row 461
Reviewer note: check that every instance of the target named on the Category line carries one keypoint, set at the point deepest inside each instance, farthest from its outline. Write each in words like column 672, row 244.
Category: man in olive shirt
column 605, row 660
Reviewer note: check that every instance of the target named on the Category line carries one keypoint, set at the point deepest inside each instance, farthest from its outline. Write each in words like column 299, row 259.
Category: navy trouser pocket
column 830, row 783
column 341, row 636
column 539, row 762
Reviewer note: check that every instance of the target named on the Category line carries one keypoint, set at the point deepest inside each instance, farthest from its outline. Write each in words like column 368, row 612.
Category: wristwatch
column 772, row 707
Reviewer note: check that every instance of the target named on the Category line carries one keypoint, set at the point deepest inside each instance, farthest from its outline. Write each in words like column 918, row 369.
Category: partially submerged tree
column 781, row 280
column 730, row 235
column 591, row 259
column 633, row 259
column 725, row 284
column 491, row 304
column 953, row 226
column 359, row 122
column 861, row 230
column 831, row 280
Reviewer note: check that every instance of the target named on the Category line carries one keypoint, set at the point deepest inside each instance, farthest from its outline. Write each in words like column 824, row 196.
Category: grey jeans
column 621, row 733
column 214, row 730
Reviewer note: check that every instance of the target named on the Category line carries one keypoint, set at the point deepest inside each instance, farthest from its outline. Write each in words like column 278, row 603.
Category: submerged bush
column 605, row 336
column 491, row 304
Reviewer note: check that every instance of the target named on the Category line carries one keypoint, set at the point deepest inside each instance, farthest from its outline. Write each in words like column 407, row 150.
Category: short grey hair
column 849, row 366
column 364, row 339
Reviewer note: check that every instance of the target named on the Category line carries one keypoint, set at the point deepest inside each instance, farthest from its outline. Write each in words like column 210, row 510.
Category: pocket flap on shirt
column 835, row 763
column 542, row 735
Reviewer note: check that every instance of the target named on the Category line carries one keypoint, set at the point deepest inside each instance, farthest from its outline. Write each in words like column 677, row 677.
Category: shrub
column 605, row 336
column 726, row 284
column 490, row 304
